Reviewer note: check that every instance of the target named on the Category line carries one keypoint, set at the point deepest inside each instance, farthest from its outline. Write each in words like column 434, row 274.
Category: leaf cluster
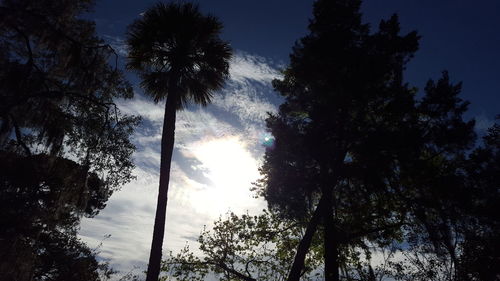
column 243, row 248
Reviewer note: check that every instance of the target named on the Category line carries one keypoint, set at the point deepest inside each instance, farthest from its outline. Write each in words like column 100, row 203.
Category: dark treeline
column 368, row 179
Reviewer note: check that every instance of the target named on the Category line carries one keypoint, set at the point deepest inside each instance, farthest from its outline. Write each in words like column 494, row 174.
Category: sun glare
column 231, row 169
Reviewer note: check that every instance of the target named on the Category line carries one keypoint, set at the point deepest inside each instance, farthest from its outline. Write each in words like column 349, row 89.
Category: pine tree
column 344, row 102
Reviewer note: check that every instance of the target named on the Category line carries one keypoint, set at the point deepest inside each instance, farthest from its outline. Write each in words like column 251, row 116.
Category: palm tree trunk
column 167, row 146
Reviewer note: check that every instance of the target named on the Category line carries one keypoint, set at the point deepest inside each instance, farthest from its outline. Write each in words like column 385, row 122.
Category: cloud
column 140, row 105
column 245, row 67
column 118, row 44
column 246, row 104
column 216, row 157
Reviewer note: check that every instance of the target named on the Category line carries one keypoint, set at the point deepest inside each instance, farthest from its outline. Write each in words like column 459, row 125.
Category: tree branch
column 234, row 272
column 28, row 44
column 19, row 136
column 365, row 232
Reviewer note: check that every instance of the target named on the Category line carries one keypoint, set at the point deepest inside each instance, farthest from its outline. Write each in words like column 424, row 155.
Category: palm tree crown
column 175, row 45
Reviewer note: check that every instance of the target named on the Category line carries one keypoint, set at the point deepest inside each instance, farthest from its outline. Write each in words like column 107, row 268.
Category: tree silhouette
column 64, row 145
column 350, row 137
column 345, row 102
column 480, row 224
column 178, row 54
column 455, row 236
column 366, row 164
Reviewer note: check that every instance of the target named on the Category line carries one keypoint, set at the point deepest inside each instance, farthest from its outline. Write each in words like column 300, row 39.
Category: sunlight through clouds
column 231, row 169
column 217, row 154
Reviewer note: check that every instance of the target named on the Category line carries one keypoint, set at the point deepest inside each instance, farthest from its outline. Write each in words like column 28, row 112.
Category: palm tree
column 179, row 56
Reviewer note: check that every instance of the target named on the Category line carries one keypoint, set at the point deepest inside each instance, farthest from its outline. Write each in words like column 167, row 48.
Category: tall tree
column 350, row 137
column 64, row 145
column 179, row 56
column 344, row 102
column 456, row 234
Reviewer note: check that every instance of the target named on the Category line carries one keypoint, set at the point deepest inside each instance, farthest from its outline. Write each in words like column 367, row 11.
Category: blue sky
column 457, row 35
column 226, row 137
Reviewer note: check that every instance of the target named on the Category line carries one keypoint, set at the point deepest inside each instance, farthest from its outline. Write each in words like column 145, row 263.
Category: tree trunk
column 323, row 210
column 305, row 243
column 331, row 239
column 167, row 146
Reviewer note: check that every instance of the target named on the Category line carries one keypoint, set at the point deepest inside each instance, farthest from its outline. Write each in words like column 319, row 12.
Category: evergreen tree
column 351, row 134
column 344, row 102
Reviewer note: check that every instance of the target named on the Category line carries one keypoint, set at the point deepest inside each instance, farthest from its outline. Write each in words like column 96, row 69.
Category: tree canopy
column 64, row 145
column 369, row 178
column 357, row 150
column 244, row 247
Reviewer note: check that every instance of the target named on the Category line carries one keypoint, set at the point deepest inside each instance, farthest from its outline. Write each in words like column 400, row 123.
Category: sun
column 231, row 169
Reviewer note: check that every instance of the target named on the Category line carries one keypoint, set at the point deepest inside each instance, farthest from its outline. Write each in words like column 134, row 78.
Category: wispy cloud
column 245, row 67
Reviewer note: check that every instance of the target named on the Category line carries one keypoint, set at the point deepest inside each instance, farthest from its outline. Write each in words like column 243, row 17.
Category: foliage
column 354, row 145
column 343, row 128
column 457, row 237
column 175, row 46
column 364, row 164
column 64, row 145
column 243, row 248
column 345, row 106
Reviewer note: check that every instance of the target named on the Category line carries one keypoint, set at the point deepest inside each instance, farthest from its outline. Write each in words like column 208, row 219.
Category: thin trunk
column 305, row 243
column 323, row 210
column 167, row 146
column 330, row 240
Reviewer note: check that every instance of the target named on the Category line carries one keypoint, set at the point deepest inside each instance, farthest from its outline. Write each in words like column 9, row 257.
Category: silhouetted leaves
column 355, row 145
column 244, row 248
column 64, row 145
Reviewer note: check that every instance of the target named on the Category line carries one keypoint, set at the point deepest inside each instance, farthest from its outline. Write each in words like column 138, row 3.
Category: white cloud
column 245, row 67
column 144, row 107
column 195, row 124
column 246, row 104
column 217, row 155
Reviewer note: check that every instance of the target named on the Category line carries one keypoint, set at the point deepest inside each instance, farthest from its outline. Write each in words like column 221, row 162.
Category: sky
column 219, row 148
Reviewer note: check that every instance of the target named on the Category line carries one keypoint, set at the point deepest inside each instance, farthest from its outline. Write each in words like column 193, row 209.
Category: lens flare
column 267, row 140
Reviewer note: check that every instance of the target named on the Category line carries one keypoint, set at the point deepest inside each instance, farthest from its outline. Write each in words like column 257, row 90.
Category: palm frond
column 175, row 46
